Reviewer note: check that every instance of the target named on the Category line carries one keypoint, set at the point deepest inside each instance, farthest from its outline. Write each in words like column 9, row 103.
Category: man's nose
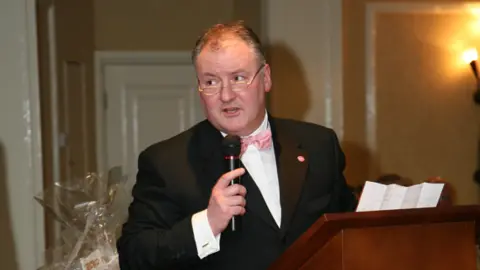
column 226, row 92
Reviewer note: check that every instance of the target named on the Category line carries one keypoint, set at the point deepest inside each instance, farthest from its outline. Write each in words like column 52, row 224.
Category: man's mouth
column 231, row 110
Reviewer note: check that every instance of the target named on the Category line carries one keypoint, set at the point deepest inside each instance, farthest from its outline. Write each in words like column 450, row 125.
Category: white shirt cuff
column 205, row 241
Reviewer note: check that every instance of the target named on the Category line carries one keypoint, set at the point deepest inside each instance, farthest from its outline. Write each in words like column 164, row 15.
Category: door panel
column 147, row 104
column 75, row 50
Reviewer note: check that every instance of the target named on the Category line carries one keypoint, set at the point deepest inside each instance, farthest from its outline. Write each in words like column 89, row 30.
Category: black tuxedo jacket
column 174, row 181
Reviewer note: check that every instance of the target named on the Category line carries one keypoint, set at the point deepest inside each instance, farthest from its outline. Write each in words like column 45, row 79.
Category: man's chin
column 233, row 128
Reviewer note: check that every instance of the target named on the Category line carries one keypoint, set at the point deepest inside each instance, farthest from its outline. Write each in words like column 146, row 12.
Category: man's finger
column 236, row 189
column 237, row 210
column 235, row 201
column 225, row 180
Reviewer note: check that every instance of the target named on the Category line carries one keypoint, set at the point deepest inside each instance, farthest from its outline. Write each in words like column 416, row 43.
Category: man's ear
column 267, row 78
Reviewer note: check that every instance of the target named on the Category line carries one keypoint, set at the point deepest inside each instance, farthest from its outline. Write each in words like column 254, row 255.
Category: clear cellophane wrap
column 90, row 213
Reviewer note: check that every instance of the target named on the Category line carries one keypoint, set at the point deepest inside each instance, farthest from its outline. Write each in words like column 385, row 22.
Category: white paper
column 412, row 196
column 377, row 196
column 393, row 197
column 430, row 195
column 372, row 197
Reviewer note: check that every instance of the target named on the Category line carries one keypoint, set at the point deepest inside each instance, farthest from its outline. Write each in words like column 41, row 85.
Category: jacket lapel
column 255, row 202
column 206, row 156
column 292, row 164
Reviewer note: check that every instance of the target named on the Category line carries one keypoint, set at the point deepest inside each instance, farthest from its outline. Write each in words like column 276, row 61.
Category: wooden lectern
column 427, row 239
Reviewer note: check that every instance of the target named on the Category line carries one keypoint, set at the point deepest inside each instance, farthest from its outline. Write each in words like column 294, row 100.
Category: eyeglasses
column 239, row 83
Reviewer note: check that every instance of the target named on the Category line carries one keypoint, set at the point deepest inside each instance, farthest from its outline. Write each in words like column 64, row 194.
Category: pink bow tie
column 262, row 140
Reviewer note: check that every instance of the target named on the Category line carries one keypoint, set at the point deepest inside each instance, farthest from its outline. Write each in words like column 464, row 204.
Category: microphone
column 231, row 146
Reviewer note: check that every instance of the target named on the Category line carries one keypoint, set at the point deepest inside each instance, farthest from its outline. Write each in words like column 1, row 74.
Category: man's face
column 233, row 112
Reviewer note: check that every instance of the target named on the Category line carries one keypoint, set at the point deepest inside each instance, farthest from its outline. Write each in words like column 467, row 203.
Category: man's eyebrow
column 240, row 70
column 237, row 71
column 209, row 74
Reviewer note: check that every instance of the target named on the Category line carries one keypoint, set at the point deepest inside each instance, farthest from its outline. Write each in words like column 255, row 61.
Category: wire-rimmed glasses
column 240, row 83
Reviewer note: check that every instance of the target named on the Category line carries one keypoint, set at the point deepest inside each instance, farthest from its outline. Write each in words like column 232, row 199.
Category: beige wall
column 408, row 97
column 165, row 25
column 305, row 53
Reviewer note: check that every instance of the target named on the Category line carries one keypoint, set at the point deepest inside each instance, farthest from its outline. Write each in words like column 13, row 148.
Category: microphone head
column 231, row 145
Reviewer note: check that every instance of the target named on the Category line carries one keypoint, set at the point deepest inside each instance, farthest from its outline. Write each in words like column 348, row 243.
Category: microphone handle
column 232, row 164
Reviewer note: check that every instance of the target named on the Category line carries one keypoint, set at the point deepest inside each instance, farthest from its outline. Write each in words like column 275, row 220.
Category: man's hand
column 226, row 201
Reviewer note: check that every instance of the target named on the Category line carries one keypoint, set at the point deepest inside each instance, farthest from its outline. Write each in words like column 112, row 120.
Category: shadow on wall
column 358, row 163
column 290, row 96
column 8, row 257
column 362, row 166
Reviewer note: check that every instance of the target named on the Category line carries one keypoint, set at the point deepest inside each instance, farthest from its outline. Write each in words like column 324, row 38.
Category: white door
column 146, row 103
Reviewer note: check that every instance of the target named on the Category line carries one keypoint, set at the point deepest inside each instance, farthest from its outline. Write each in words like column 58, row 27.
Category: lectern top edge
column 331, row 224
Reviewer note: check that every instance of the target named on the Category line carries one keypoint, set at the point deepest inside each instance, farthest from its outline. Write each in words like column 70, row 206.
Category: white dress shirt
column 262, row 167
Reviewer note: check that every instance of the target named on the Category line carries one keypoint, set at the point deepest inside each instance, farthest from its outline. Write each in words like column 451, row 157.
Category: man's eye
column 239, row 78
column 210, row 83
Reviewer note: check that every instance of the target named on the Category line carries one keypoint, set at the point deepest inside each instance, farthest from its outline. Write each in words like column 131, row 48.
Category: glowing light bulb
column 470, row 55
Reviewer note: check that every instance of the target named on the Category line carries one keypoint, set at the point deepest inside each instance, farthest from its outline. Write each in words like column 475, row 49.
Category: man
column 183, row 200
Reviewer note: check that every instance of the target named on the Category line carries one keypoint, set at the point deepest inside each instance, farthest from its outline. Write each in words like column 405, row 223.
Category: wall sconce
column 471, row 56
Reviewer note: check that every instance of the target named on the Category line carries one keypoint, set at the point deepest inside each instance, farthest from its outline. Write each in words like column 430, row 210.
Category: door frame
column 23, row 148
column 104, row 59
